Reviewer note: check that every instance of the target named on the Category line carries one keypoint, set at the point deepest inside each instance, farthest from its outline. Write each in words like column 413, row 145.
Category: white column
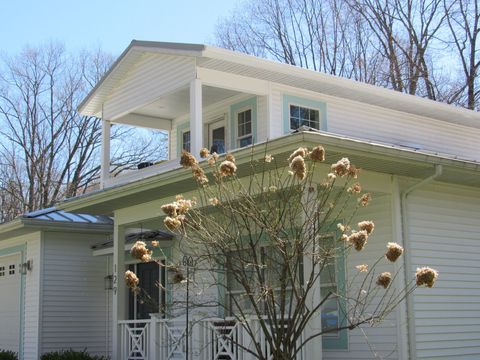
column 119, row 288
column 105, row 162
column 196, row 121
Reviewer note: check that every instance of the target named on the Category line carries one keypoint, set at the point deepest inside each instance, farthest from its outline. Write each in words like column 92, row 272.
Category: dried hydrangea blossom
column 227, row 168
column 199, row 175
column 302, row 152
column 365, row 199
column 341, row 227
column 172, row 223
column 362, row 267
column 368, row 226
column 272, row 188
column 355, row 188
column 353, row 171
column 426, row 276
column 155, row 243
column 187, row 160
column 131, row 279
column 214, row 201
column 204, row 153
column 139, row 251
column 170, row 209
column 384, row 279
column 394, row 251
column 230, row 157
column 298, row 167
column 341, row 167
column 213, row 159
column 358, row 239
column 268, row 158
column 331, row 177
column 317, row 153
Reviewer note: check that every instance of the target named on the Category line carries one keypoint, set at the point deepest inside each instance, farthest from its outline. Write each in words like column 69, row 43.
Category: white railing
column 209, row 339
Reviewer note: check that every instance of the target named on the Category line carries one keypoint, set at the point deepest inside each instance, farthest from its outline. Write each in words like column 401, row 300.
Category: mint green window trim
column 181, row 128
column 339, row 342
column 250, row 103
column 307, row 103
column 11, row 251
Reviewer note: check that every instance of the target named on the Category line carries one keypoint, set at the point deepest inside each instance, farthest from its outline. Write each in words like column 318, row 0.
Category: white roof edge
column 468, row 117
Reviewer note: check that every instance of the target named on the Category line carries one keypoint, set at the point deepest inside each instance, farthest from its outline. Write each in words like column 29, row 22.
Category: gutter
column 411, row 341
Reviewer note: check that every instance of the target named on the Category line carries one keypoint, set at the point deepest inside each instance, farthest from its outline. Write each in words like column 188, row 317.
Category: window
column 2, row 270
column 303, row 116
column 186, row 140
column 11, row 270
column 244, row 128
column 216, row 136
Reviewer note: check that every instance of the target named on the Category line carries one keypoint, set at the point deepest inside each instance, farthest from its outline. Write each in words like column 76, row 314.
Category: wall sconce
column 26, row 266
column 108, row 282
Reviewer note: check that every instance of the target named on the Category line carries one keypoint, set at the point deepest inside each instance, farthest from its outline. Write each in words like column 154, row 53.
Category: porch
column 206, row 339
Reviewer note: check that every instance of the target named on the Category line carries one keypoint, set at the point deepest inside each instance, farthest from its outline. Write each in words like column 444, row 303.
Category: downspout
column 407, row 263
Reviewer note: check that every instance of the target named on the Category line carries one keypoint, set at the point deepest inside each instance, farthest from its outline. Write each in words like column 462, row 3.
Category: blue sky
column 108, row 24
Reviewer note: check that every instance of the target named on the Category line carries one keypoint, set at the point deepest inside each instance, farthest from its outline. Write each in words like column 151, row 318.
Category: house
column 419, row 159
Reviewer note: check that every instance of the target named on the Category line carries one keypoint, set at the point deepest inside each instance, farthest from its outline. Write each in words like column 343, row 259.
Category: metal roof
column 52, row 214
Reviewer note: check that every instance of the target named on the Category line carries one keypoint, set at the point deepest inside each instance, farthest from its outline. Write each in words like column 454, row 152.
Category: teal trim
column 181, row 128
column 10, row 251
column 222, row 280
column 308, row 103
column 341, row 341
column 245, row 104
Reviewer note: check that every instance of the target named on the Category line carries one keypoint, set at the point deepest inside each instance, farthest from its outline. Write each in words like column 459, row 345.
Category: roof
column 250, row 66
column 55, row 219
column 370, row 156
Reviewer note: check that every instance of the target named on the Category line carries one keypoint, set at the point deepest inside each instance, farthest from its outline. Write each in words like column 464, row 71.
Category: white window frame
column 290, row 104
column 239, row 138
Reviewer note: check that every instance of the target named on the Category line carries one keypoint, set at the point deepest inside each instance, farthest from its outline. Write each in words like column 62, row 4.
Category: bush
column 8, row 355
column 70, row 355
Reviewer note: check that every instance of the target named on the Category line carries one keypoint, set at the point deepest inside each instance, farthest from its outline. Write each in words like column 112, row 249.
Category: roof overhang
column 366, row 155
column 250, row 66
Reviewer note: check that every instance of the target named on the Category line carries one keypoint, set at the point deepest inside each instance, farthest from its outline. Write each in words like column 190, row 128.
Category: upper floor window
column 244, row 128
column 303, row 116
column 186, row 140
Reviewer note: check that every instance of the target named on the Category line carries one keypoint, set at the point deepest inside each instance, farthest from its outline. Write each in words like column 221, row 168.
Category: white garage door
column 10, row 302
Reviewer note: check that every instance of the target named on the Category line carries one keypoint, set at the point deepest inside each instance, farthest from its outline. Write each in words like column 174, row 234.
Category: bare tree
column 48, row 150
column 281, row 237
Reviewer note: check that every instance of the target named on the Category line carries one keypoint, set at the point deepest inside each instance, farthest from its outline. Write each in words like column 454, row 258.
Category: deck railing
column 208, row 339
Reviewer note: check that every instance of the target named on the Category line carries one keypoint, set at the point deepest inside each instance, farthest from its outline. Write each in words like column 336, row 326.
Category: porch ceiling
column 178, row 103
column 367, row 156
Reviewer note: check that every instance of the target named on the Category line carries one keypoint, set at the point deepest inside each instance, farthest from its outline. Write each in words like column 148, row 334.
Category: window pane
column 244, row 123
column 218, row 140
column 330, row 315
column 294, row 111
column 302, row 116
column 186, row 141
column 246, row 141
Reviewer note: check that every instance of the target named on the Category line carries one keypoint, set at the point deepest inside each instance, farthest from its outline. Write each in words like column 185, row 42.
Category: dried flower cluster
column 187, row 160
column 230, row 157
column 368, row 226
column 362, row 267
column 227, row 168
column 358, row 239
column 131, row 280
column 268, row 158
column 139, row 251
column 298, row 168
column 384, row 279
column 176, row 212
column 426, row 276
column 394, row 251
column 355, row 188
column 317, row 153
column 199, row 175
column 302, row 152
column 365, row 199
column 214, row 201
column 204, row 153
column 341, row 167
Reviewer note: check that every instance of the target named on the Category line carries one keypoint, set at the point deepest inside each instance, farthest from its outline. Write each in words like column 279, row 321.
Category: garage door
column 9, row 302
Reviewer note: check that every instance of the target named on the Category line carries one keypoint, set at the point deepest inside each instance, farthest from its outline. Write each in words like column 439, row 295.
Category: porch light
column 26, row 266
column 108, row 282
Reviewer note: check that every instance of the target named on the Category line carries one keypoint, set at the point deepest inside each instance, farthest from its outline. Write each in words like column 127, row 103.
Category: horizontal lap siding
column 153, row 76
column 444, row 233
column 379, row 341
column 74, row 302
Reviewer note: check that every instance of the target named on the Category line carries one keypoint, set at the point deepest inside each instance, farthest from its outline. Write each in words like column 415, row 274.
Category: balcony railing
column 208, row 339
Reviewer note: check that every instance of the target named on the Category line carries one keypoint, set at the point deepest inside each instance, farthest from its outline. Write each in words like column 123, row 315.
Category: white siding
column 74, row 301
column 31, row 292
column 155, row 75
column 444, row 233
column 380, row 341
column 373, row 123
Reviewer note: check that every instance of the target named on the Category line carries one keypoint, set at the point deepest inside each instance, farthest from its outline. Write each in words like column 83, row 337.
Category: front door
column 216, row 136
column 151, row 297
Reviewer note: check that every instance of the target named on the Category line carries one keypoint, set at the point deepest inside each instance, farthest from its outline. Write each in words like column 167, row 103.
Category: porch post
column 196, row 121
column 105, row 161
column 119, row 288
